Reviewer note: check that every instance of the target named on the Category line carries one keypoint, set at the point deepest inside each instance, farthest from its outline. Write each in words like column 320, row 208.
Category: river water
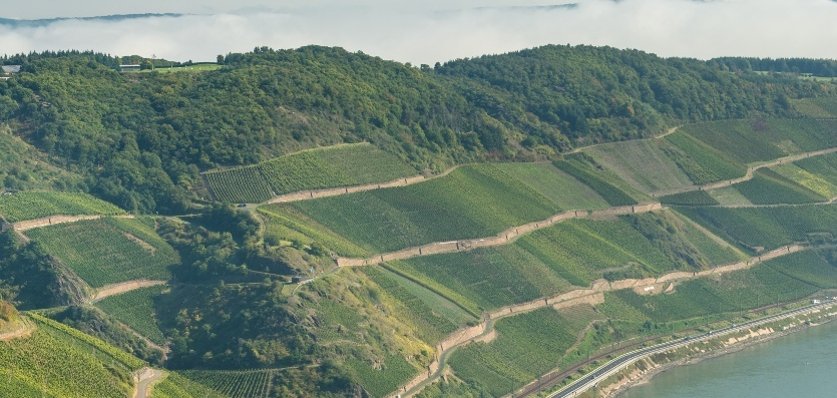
column 803, row 364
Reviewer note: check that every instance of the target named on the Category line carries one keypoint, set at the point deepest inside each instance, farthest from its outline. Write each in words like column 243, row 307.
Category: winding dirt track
column 580, row 296
column 146, row 378
column 747, row 176
column 123, row 287
column 23, row 226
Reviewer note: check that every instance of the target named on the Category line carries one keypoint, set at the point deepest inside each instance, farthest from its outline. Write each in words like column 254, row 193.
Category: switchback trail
column 747, row 176
column 123, row 287
column 146, row 377
column 22, row 226
column 593, row 294
column 503, row 238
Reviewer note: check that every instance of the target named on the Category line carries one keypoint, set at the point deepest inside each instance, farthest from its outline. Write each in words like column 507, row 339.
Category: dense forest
column 816, row 67
column 142, row 139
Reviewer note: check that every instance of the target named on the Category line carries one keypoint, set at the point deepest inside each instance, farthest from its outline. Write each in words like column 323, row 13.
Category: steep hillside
column 142, row 139
column 56, row 360
column 338, row 225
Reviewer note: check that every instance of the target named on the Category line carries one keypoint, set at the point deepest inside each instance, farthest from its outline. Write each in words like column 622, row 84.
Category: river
column 803, row 364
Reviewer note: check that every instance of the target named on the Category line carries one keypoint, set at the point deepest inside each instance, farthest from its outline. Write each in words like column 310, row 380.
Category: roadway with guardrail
column 617, row 364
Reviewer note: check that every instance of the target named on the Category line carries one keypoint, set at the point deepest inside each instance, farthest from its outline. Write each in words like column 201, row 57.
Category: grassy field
column 527, row 346
column 768, row 228
column 568, row 255
column 702, row 163
column 57, row 361
column 177, row 386
column 817, row 107
column 341, row 165
column 136, row 309
column 752, row 141
column 473, row 201
column 31, row 205
column 770, row 187
column 612, row 189
column 433, row 316
column 729, row 196
column 641, row 163
column 818, row 174
column 108, row 251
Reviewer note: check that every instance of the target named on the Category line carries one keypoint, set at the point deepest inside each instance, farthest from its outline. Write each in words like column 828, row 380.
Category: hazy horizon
column 432, row 31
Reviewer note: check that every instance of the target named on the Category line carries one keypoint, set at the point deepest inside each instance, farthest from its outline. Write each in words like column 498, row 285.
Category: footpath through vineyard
column 27, row 225
column 146, row 378
column 593, row 294
column 123, row 287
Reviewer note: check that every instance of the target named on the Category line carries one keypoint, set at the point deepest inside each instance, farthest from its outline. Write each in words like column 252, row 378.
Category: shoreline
column 638, row 377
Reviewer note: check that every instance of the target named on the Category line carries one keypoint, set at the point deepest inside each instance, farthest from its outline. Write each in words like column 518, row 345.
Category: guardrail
column 617, row 364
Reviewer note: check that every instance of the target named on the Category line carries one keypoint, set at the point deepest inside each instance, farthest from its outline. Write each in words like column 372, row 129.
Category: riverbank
column 645, row 370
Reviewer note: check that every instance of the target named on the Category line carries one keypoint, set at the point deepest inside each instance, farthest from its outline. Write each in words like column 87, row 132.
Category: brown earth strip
column 123, row 287
column 23, row 226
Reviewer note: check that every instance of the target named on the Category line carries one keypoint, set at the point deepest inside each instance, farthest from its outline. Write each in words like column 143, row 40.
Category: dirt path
column 26, row 328
column 764, row 206
column 593, row 295
column 124, row 287
column 503, row 238
column 146, row 378
column 23, row 226
column 329, row 192
column 747, row 176
column 656, row 137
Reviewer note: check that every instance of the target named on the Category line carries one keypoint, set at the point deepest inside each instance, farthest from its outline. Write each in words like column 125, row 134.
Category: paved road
column 581, row 385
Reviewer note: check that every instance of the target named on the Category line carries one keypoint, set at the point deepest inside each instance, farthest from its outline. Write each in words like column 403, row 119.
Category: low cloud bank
column 690, row 28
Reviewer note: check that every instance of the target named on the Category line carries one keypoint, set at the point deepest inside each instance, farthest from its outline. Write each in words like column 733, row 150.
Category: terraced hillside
column 759, row 229
column 471, row 202
column 329, row 167
column 109, row 250
column 700, row 154
column 136, row 309
column 32, row 205
column 56, row 360
column 568, row 256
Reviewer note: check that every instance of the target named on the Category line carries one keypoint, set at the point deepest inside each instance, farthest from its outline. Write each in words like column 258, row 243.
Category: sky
column 428, row 31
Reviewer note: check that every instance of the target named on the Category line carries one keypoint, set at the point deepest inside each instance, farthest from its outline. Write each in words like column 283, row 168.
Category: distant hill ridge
column 41, row 22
